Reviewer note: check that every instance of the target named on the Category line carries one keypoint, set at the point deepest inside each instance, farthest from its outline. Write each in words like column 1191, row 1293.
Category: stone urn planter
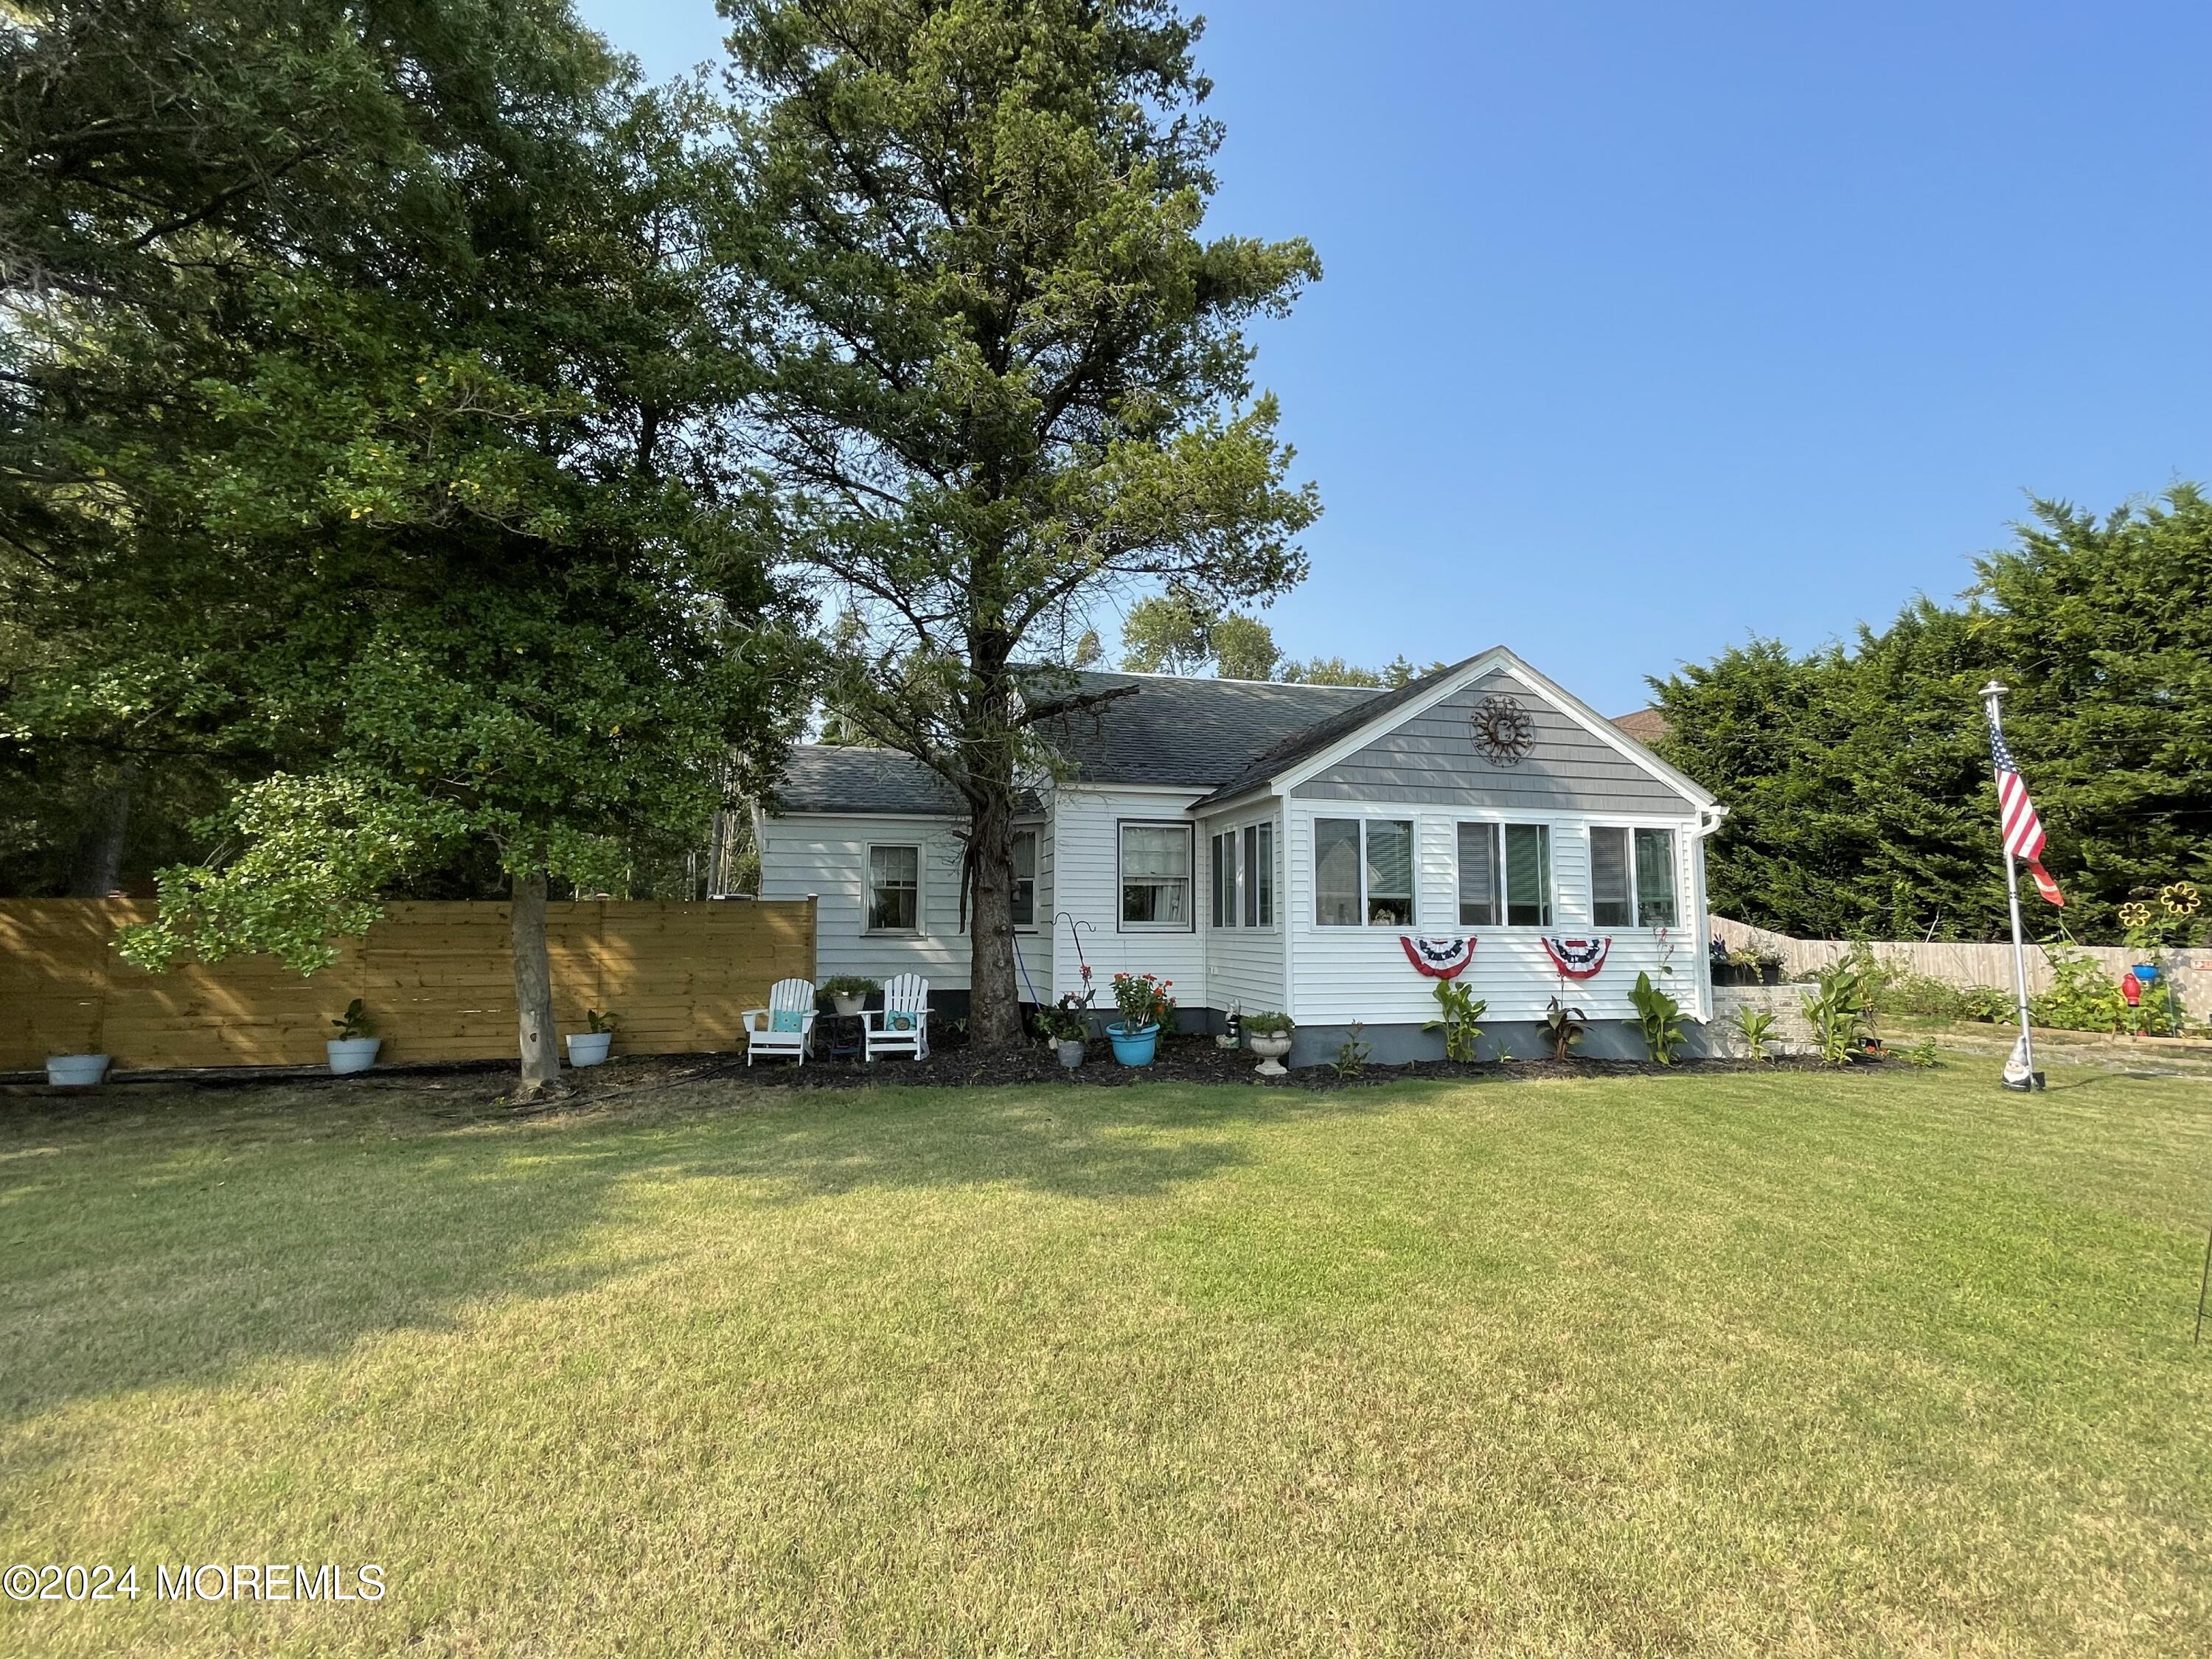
column 848, row 1006
column 1070, row 1051
column 76, row 1071
column 349, row 1054
column 589, row 1047
column 1134, row 1047
column 1271, row 1050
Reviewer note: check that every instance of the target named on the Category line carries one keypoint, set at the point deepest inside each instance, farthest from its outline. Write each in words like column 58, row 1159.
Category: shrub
column 1837, row 1010
column 2082, row 997
column 1660, row 1017
column 1267, row 1023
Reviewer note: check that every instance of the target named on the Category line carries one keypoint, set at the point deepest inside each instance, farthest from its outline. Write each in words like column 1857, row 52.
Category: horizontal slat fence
column 1958, row 964
column 436, row 978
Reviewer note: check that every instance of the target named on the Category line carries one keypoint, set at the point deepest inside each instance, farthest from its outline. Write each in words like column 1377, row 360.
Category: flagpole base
column 2024, row 1084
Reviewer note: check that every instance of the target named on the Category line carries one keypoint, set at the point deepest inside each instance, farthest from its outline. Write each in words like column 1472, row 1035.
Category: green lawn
column 1782, row 1363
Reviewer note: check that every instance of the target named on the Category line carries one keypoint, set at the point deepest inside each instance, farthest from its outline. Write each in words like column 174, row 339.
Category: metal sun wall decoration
column 1503, row 734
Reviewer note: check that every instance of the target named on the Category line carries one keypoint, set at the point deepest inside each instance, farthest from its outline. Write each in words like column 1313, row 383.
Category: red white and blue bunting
column 1439, row 959
column 1577, row 958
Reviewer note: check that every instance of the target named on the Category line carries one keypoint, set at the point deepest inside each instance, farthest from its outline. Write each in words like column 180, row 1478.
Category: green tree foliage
column 370, row 401
column 1003, row 376
column 1175, row 634
column 1859, row 780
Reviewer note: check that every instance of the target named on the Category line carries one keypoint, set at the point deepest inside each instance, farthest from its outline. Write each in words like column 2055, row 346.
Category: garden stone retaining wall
column 1719, row 1039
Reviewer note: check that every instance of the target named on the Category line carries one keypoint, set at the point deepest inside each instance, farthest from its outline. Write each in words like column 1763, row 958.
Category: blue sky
column 1647, row 328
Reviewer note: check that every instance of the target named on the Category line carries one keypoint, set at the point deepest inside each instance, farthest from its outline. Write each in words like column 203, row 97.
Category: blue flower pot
column 1134, row 1047
column 2145, row 972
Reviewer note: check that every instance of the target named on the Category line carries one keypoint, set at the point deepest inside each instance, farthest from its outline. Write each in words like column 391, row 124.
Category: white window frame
column 1413, row 823
column 1189, row 924
column 868, row 888
column 1502, row 892
column 1036, row 833
column 1673, row 834
column 1233, row 880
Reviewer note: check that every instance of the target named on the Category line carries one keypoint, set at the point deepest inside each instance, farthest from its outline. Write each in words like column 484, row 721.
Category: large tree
column 1859, row 778
column 375, row 447
column 1003, row 371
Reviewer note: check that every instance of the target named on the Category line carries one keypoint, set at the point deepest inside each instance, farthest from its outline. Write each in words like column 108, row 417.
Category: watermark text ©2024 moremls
column 209, row 1580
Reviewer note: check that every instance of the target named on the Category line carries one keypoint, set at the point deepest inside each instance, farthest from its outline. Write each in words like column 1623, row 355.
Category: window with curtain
column 1612, row 902
column 1655, row 878
column 1155, row 877
column 1477, row 875
column 894, row 889
column 1336, row 873
column 1025, row 863
column 1528, row 875
column 1389, row 872
column 1266, row 883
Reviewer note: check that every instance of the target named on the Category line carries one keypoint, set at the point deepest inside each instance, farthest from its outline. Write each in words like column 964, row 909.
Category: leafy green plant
column 1565, row 1027
column 1268, row 1022
column 1458, row 1009
column 1922, row 1054
column 1661, row 1018
column 1754, row 1026
column 1352, row 1054
column 355, row 1022
column 848, row 984
column 1837, row 1011
column 1068, row 1020
column 598, row 1022
column 2082, row 996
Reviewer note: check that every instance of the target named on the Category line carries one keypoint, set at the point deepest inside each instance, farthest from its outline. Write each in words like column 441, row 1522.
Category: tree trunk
column 99, row 862
column 533, row 990
column 994, row 1004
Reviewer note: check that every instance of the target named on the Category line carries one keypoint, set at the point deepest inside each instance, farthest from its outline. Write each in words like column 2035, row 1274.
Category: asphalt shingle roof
column 1165, row 731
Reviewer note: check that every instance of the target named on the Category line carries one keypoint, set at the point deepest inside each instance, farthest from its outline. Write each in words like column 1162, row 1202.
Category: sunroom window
column 1528, row 875
column 1362, row 872
column 1632, row 877
column 1655, row 878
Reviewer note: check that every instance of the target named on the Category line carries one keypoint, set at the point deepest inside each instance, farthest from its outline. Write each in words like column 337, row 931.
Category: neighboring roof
column 835, row 778
column 1645, row 725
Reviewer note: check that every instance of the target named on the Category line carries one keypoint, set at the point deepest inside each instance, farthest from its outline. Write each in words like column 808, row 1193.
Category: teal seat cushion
column 787, row 1020
column 900, row 1022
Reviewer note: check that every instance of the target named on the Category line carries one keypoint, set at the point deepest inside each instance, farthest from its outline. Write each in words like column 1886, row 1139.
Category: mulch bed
column 1195, row 1059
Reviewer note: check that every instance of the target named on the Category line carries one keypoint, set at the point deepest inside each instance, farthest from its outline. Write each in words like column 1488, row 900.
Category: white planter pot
column 352, row 1053
column 848, row 1007
column 1271, row 1050
column 589, row 1047
column 1070, row 1051
column 76, row 1071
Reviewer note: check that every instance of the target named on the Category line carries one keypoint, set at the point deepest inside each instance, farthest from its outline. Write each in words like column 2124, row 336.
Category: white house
column 1286, row 847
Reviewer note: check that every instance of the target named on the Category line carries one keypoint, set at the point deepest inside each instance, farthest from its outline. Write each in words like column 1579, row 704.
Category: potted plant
column 1067, row 1025
column 1268, row 1035
column 1769, row 967
column 848, row 994
column 353, row 1050
column 589, row 1046
column 1145, row 1007
column 76, row 1071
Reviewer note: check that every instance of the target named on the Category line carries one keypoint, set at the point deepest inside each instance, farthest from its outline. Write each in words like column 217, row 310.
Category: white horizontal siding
column 1243, row 965
column 1086, row 876
column 828, row 855
column 1343, row 974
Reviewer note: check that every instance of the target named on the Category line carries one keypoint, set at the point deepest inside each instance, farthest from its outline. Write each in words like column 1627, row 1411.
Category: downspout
column 1708, row 821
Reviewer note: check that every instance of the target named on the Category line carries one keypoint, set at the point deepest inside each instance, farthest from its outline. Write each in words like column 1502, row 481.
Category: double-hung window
column 1025, row 870
column 1245, row 877
column 1632, row 877
column 1155, row 877
column 894, row 889
column 1505, row 875
column 1362, row 872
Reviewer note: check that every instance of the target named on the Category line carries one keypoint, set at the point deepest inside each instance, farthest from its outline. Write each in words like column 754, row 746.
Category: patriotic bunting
column 1577, row 958
column 1439, row 959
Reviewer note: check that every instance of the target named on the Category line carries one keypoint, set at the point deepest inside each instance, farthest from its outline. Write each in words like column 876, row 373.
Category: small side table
column 845, row 1036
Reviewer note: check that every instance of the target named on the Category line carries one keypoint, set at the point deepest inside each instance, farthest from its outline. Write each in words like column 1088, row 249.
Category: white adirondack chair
column 900, row 1026
column 786, row 996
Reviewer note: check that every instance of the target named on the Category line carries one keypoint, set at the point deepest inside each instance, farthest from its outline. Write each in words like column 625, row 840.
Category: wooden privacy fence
column 437, row 979
column 1956, row 964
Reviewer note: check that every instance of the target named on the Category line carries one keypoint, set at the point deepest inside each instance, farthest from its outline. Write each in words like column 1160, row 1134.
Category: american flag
column 2023, row 830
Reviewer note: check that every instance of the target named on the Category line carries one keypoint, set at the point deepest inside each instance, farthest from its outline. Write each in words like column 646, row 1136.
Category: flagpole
column 1992, row 695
